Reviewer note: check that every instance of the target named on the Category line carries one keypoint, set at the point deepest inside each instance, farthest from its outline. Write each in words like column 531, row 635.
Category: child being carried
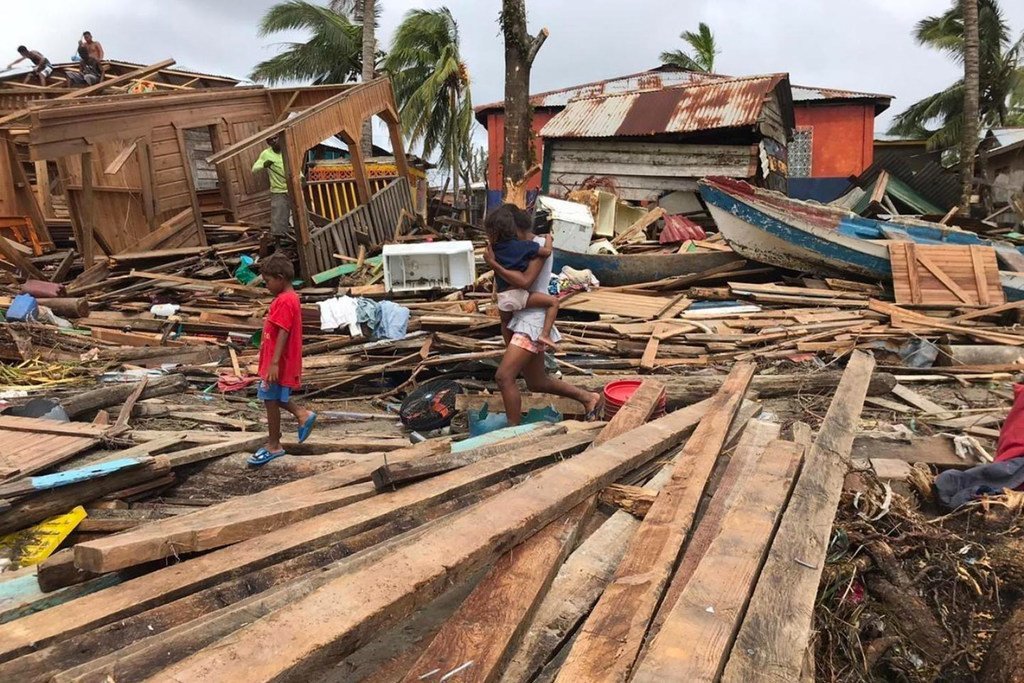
column 514, row 248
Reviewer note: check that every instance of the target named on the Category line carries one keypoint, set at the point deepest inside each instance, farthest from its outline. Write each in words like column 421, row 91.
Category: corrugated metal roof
column 722, row 103
column 1007, row 136
column 652, row 79
column 668, row 77
column 803, row 93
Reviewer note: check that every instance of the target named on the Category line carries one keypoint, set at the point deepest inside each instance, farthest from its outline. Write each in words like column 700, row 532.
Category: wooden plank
column 756, row 436
column 636, row 411
column 937, row 271
column 952, row 275
column 650, row 356
column 698, row 632
column 392, row 474
column 980, row 281
column 198, row 573
column 305, row 636
column 771, row 642
column 16, row 258
column 198, row 619
column 115, row 165
column 220, row 525
column 123, row 79
column 610, row 640
column 475, row 640
column 37, row 426
column 922, row 402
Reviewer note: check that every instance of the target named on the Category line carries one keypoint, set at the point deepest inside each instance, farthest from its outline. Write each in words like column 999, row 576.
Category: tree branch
column 535, row 44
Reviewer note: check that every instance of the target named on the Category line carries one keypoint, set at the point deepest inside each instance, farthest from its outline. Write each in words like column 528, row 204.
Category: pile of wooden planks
column 504, row 559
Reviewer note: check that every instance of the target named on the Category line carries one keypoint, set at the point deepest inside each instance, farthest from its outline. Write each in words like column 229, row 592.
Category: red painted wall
column 496, row 147
column 842, row 142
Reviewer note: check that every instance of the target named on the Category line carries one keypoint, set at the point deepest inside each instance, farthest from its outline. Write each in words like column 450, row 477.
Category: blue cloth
column 514, row 255
column 273, row 392
column 368, row 313
column 394, row 321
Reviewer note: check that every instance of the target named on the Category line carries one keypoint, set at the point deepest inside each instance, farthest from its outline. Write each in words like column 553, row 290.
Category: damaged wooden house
column 146, row 171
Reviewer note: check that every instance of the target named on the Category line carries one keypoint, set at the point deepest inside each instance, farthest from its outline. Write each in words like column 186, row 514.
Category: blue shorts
column 273, row 392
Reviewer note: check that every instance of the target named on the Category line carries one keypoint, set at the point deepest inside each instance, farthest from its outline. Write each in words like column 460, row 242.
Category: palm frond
column 332, row 54
column 431, row 85
column 703, row 43
column 680, row 59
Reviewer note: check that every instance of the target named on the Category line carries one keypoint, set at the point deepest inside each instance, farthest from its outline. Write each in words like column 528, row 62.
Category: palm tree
column 969, row 139
column 431, row 84
column 358, row 10
column 939, row 117
column 331, row 55
column 704, row 51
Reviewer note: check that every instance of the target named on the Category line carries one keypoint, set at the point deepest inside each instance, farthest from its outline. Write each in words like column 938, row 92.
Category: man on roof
column 94, row 48
column 42, row 69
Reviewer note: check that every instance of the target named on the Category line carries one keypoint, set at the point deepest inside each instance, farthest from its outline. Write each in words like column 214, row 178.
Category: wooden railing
column 333, row 199
column 372, row 223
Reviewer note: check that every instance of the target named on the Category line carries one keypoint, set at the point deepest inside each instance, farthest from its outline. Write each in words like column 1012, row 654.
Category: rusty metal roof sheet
column 802, row 93
column 652, row 79
column 720, row 103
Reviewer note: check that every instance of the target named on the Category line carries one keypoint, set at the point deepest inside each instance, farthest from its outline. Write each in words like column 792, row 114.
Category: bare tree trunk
column 453, row 149
column 969, row 143
column 520, row 51
column 369, row 57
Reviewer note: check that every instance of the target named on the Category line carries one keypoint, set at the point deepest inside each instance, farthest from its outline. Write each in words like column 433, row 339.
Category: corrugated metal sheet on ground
column 725, row 103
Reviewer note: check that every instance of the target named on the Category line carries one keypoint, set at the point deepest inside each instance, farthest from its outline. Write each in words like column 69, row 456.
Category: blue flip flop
column 263, row 456
column 306, row 428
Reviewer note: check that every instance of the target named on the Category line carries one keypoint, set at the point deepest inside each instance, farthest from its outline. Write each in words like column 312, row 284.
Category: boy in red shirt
column 281, row 357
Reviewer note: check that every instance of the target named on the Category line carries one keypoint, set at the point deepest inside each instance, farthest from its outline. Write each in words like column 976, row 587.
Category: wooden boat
column 618, row 270
column 768, row 227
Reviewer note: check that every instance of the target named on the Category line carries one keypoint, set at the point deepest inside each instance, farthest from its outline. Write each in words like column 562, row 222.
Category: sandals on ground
column 263, row 456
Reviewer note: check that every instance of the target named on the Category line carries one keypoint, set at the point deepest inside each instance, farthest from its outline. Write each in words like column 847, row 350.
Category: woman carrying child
column 524, row 327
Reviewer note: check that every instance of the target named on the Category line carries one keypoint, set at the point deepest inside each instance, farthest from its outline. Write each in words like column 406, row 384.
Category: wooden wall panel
column 8, row 195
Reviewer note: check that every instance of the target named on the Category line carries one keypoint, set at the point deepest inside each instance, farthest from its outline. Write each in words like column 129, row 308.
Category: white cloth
column 530, row 321
column 339, row 312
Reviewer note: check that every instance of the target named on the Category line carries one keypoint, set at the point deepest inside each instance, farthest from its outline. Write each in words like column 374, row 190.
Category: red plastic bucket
column 618, row 392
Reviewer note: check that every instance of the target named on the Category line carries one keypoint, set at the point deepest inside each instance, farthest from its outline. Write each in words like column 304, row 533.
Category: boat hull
column 761, row 234
column 631, row 269
column 820, row 240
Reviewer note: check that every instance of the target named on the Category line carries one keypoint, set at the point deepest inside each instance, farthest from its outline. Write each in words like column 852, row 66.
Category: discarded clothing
column 955, row 488
column 368, row 313
column 571, row 280
column 339, row 312
column 394, row 321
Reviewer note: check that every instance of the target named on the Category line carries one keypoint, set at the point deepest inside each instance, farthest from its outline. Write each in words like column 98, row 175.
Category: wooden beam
column 118, row 162
column 394, row 473
column 174, row 630
column 102, row 85
column 610, row 640
column 756, row 436
column 17, row 259
column 270, row 131
column 87, row 211
column 694, row 641
column 476, row 639
column 419, row 571
column 636, row 411
column 771, row 643
column 27, row 199
column 162, row 585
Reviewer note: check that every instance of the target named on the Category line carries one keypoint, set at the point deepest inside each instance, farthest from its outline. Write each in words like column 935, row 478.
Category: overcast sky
column 851, row 44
